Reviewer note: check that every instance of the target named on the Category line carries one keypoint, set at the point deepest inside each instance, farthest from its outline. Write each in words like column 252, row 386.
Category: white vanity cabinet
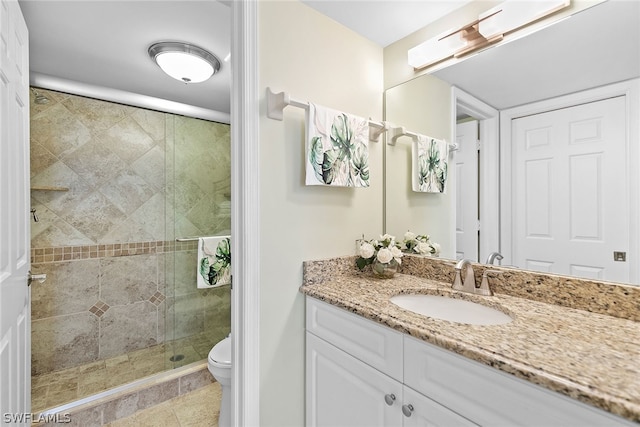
column 361, row 373
column 354, row 372
column 490, row 397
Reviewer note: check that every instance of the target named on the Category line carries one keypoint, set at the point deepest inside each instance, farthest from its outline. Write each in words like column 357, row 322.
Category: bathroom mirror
column 595, row 47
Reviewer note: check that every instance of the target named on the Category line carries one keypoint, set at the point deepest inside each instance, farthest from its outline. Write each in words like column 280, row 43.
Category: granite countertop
column 588, row 356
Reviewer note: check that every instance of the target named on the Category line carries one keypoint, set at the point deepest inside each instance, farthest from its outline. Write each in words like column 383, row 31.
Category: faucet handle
column 484, row 288
column 457, row 281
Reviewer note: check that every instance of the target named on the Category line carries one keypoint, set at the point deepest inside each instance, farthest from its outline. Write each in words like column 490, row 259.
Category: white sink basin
column 451, row 309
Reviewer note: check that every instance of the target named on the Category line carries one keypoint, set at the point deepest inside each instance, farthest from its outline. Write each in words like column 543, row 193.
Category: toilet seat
column 220, row 354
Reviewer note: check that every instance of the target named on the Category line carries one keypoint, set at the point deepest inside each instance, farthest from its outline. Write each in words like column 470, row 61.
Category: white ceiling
column 385, row 22
column 105, row 42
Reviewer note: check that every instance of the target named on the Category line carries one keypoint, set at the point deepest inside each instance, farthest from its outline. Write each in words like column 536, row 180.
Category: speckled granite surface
column 596, row 296
column 590, row 356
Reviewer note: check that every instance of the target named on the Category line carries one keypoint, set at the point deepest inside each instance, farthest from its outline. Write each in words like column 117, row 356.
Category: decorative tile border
column 70, row 253
column 100, row 307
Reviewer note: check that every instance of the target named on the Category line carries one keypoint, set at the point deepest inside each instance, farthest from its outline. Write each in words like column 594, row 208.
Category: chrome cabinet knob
column 407, row 410
column 390, row 398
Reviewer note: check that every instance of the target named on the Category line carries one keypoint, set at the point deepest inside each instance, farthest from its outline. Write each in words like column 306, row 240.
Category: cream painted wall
column 314, row 59
column 422, row 105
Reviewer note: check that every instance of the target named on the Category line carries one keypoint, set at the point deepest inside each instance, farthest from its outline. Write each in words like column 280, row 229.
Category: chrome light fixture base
column 183, row 61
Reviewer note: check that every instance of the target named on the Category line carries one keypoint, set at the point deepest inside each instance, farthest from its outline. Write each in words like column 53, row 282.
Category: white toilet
column 220, row 367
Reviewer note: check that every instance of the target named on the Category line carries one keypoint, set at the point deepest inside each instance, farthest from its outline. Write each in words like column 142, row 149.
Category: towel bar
column 397, row 132
column 276, row 103
column 193, row 239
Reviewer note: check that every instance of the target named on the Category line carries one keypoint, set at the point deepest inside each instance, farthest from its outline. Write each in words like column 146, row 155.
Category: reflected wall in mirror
column 422, row 106
column 593, row 55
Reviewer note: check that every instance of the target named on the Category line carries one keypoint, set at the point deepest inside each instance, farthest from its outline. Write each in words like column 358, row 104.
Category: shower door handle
column 40, row 278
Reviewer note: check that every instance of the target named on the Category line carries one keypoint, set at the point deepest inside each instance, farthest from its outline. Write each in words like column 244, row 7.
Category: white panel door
column 466, row 158
column 15, row 313
column 343, row 391
column 570, row 191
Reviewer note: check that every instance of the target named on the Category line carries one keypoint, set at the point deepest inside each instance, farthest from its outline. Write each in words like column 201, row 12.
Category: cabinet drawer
column 429, row 413
column 490, row 397
column 376, row 345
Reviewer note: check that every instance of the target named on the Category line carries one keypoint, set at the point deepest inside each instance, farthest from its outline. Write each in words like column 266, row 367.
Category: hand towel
column 337, row 148
column 214, row 261
column 429, row 164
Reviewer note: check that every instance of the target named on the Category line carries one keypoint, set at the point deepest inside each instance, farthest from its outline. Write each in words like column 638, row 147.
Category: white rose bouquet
column 420, row 244
column 385, row 251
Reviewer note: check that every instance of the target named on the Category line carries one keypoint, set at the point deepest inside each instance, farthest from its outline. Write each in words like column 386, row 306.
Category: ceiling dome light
column 183, row 61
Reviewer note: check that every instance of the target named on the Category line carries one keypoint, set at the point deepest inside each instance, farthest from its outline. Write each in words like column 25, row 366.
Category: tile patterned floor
column 199, row 408
column 60, row 387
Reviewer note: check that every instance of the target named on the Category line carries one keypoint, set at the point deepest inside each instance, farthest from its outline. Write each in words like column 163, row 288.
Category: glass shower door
column 198, row 178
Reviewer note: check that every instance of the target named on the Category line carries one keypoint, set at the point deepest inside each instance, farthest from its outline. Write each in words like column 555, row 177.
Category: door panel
column 570, row 191
column 15, row 313
column 466, row 158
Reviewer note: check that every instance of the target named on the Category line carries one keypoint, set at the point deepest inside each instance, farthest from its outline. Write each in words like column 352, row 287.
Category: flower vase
column 384, row 270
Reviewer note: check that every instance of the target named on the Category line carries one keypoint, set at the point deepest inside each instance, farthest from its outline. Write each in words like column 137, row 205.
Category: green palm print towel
column 214, row 261
column 337, row 148
column 430, row 164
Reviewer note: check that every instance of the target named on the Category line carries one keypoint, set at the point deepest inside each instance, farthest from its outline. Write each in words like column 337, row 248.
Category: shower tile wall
column 136, row 179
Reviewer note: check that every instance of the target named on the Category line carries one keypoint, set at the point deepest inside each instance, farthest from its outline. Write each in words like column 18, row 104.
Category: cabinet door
column 420, row 411
column 345, row 392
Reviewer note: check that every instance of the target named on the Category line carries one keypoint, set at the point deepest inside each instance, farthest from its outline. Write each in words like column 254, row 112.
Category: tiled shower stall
column 113, row 186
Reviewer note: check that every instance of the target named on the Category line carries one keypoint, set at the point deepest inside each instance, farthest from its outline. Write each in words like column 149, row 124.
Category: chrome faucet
column 469, row 282
column 494, row 256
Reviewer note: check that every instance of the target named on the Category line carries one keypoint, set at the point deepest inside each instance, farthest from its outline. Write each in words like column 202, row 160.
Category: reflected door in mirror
column 570, row 189
column 466, row 158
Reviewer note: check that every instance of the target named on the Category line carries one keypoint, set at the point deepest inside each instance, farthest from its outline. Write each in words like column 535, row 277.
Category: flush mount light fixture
column 489, row 28
column 183, row 61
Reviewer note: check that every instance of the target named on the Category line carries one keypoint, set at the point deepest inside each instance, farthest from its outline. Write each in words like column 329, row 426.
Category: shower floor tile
column 199, row 408
column 64, row 386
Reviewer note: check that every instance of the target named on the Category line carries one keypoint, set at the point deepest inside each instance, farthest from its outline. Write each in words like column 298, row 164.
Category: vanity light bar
column 511, row 15
column 453, row 42
column 437, row 49
column 489, row 28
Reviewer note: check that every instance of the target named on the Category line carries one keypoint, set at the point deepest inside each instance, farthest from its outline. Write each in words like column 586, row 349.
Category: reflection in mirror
column 592, row 55
column 423, row 106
